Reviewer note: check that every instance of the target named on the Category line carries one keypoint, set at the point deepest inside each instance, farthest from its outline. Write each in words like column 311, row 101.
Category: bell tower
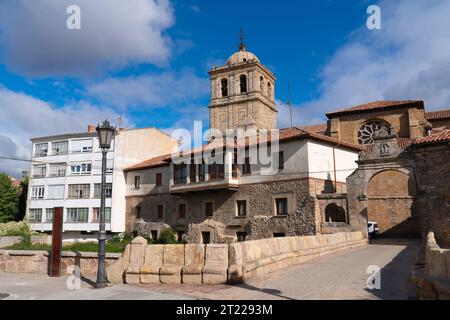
column 242, row 93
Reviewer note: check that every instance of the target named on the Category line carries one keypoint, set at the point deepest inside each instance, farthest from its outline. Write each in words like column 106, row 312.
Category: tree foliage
column 9, row 199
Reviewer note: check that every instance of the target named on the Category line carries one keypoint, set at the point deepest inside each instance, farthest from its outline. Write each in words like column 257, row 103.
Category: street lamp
column 105, row 135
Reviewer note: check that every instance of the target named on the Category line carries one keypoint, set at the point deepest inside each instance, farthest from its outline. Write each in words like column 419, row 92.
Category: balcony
column 198, row 178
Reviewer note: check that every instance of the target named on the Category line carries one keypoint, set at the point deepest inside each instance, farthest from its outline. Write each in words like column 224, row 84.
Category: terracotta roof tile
column 443, row 136
column 318, row 128
column 151, row 163
column 438, row 115
column 378, row 105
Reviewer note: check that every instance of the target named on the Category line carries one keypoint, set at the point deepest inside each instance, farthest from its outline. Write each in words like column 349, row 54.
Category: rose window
column 370, row 130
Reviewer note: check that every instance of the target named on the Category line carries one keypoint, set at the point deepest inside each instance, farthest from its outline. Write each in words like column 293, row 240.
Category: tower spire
column 241, row 38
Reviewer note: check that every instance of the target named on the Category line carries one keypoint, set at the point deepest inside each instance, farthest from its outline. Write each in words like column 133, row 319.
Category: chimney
column 91, row 128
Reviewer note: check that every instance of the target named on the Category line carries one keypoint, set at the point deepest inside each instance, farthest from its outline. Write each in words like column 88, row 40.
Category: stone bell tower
column 242, row 94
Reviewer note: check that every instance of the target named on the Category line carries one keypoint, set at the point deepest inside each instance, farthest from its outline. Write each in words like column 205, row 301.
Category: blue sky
column 147, row 60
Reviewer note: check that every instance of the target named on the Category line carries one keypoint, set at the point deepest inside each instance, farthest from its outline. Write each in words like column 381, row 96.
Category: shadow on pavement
column 273, row 292
column 396, row 274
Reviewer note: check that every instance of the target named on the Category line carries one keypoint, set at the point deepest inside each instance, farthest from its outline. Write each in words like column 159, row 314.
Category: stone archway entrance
column 391, row 203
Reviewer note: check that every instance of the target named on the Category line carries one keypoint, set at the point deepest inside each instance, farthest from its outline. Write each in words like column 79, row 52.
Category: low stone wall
column 38, row 261
column 9, row 241
column 431, row 273
column 224, row 263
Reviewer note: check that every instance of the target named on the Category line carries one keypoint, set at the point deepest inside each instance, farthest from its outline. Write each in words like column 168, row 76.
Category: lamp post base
column 101, row 285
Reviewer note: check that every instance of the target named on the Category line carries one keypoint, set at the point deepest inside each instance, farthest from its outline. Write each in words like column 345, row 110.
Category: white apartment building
column 66, row 172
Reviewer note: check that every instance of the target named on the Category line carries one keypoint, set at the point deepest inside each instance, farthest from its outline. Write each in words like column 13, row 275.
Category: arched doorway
column 335, row 213
column 391, row 203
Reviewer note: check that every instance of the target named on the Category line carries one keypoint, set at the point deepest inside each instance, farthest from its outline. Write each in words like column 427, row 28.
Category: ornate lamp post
column 105, row 135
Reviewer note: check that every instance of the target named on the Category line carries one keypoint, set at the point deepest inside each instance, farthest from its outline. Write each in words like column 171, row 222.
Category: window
column 243, row 83
column 39, row 171
column 370, row 130
column 182, row 211
column 246, row 167
column 281, row 160
column 180, row 174
column 209, row 209
column 55, row 192
column 57, row 170
column 79, row 191
column 49, row 214
column 279, row 235
column 241, row 208
column 137, row 182
column 98, row 190
column 201, row 172
column 261, row 84
column 109, row 166
column 206, row 237
column 81, row 146
column 96, row 215
column 193, row 173
column 81, row 169
column 160, row 211
column 269, row 90
column 159, row 179
column 138, row 212
column 154, row 234
column 224, row 84
column 241, row 236
column 59, row 148
column 282, row 206
column 41, row 150
column 37, row 193
column 35, row 216
column 335, row 213
column 180, row 235
column 77, row 215
column 216, row 171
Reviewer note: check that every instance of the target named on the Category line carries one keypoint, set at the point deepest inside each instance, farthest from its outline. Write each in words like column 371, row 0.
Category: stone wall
column 222, row 263
column 431, row 274
column 9, row 241
column 433, row 176
column 260, row 221
column 38, row 261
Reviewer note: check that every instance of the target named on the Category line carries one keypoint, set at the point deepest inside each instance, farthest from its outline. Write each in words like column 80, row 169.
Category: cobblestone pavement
column 341, row 275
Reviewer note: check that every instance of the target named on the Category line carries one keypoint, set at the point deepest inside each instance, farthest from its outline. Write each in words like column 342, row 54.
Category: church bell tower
column 242, row 94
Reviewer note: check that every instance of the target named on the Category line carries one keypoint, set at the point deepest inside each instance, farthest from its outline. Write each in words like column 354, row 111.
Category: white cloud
column 151, row 90
column 408, row 59
column 114, row 33
column 25, row 117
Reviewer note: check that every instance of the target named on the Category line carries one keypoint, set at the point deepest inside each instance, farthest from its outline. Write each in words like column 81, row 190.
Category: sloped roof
column 378, row 105
column 443, row 136
column 317, row 128
column 437, row 115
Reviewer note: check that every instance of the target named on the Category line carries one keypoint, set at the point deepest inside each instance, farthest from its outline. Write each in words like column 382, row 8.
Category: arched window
column 243, row 79
column 261, row 85
column 335, row 213
column 224, row 88
column 371, row 129
column 269, row 90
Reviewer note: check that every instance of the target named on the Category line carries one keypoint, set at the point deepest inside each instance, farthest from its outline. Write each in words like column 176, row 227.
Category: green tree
column 23, row 197
column 167, row 236
column 9, row 199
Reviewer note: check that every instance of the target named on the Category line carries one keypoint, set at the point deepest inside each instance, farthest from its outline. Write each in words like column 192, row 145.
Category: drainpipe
column 334, row 167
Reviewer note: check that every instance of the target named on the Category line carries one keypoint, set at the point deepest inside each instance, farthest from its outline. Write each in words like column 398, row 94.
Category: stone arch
column 243, row 83
column 224, row 87
column 391, row 202
column 335, row 213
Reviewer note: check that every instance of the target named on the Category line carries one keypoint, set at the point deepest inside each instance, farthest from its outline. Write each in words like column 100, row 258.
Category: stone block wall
column 37, row 262
column 222, row 263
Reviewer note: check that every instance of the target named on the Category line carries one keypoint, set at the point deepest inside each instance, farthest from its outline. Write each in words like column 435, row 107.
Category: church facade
column 366, row 163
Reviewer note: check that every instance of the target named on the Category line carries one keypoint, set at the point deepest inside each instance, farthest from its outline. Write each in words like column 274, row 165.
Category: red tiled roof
column 378, row 105
column 443, row 136
column 437, row 115
column 151, row 163
column 318, row 128
column 285, row 135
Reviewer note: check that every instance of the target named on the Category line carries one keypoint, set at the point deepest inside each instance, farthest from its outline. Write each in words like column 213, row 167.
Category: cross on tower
column 241, row 38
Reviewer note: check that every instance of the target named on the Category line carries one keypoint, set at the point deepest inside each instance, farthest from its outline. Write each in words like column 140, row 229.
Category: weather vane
column 241, row 38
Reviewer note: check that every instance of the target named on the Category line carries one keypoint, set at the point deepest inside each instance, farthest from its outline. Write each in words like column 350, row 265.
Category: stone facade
column 433, row 174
